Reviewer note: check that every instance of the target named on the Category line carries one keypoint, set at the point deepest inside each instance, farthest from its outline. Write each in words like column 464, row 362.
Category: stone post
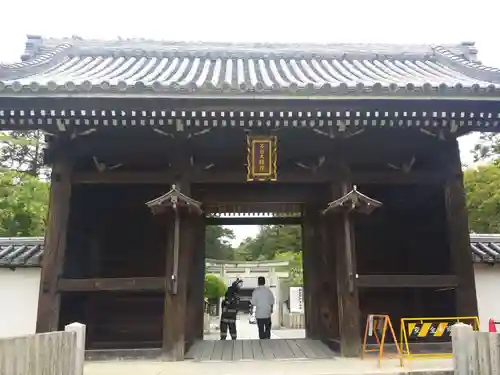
column 488, row 353
column 80, row 330
column 464, row 353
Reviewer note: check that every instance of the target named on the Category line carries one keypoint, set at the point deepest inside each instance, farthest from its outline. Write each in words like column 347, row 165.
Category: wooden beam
column 458, row 235
column 55, row 247
column 219, row 177
column 112, row 284
column 406, row 281
column 118, row 102
column 254, row 220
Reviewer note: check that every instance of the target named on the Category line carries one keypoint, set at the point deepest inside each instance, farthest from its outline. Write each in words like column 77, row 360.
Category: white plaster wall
column 19, row 290
column 488, row 293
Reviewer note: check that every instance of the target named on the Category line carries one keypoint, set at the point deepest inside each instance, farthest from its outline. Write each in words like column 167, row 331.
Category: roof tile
column 28, row 251
column 67, row 65
column 21, row 251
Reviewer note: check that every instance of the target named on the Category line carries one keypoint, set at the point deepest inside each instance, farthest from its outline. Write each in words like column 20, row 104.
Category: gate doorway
column 274, row 253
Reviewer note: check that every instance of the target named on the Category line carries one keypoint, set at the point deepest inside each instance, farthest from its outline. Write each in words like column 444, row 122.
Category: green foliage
column 296, row 276
column 276, row 242
column 271, row 241
column 23, row 204
column 22, row 151
column 214, row 287
column 487, row 148
column 217, row 245
column 482, row 186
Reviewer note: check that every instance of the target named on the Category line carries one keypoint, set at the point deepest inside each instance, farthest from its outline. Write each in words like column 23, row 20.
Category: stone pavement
column 247, row 331
column 340, row 366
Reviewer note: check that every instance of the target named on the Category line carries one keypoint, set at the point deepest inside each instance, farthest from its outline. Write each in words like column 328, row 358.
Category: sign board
column 370, row 325
column 296, row 299
column 262, row 156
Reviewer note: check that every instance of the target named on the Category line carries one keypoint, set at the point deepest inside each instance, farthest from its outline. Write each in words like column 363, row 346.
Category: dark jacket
column 230, row 304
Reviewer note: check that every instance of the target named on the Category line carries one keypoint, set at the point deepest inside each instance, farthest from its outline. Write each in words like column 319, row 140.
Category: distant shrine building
column 151, row 141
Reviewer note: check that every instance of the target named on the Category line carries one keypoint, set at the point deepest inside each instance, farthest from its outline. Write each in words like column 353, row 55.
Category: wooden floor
column 248, row 350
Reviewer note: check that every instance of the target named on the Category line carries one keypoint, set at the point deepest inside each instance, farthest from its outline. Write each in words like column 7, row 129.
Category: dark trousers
column 264, row 328
column 224, row 327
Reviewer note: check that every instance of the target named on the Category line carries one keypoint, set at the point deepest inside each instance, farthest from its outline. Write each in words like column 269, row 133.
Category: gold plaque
column 262, row 154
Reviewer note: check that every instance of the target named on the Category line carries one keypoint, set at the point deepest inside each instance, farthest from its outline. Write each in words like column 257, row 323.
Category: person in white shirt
column 263, row 300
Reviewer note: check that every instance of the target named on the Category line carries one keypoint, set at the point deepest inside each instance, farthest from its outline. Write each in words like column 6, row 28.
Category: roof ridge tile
column 37, row 43
column 469, row 66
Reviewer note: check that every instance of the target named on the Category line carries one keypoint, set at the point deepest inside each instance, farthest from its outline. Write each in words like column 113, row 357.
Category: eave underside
column 51, row 114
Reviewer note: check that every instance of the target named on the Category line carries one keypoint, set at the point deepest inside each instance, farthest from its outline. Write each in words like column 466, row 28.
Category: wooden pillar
column 54, row 246
column 458, row 235
column 329, row 316
column 196, row 284
column 176, row 306
column 310, row 260
column 347, row 292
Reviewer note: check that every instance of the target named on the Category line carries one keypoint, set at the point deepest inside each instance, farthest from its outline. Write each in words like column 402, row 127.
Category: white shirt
column 263, row 300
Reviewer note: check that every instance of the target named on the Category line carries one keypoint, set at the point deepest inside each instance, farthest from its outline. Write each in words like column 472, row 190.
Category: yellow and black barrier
column 430, row 331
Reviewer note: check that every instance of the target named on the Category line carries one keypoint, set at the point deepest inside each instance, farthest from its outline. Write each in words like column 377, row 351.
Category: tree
column 271, row 241
column 482, row 186
column 487, row 148
column 214, row 287
column 218, row 244
column 22, row 151
column 23, row 204
column 295, row 268
column 276, row 242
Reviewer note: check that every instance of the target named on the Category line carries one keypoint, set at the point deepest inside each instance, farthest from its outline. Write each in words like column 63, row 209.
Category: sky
column 319, row 21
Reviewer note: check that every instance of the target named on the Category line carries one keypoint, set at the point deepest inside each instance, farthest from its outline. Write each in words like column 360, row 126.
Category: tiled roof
column 485, row 248
column 20, row 251
column 73, row 65
column 27, row 251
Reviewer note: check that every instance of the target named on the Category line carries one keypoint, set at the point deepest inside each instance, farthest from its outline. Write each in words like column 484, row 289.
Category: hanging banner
column 262, row 154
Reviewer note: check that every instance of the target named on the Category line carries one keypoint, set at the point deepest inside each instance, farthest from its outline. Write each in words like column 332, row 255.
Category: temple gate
column 150, row 141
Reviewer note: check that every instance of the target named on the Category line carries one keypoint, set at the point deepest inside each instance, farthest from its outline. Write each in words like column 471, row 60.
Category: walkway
column 284, row 344
column 339, row 366
column 247, row 350
column 277, row 366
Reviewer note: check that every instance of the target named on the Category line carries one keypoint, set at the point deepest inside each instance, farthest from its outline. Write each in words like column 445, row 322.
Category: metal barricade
column 431, row 332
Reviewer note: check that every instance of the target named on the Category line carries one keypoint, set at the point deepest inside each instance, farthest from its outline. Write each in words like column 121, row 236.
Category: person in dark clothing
column 230, row 310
